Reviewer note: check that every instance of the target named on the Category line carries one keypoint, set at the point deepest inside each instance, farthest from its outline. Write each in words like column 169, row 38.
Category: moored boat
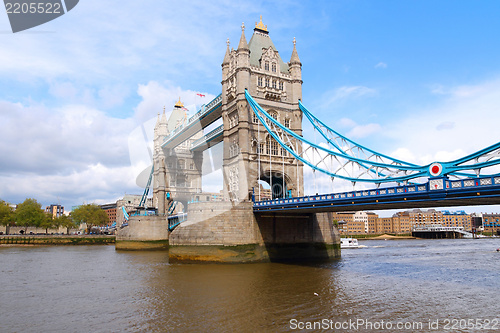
column 349, row 243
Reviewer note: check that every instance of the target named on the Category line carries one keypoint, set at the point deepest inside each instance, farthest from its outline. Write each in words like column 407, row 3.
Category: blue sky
column 419, row 80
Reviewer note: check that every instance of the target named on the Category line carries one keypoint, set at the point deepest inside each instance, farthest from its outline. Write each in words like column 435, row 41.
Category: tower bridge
column 262, row 141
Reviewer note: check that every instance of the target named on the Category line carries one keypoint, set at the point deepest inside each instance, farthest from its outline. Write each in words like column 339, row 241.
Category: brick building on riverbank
column 403, row 222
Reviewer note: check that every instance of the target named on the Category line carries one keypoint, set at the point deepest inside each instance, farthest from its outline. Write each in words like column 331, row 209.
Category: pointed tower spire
column 163, row 120
column 157, row 121
column 227, row 56
column 295, row 57
column 243, row 41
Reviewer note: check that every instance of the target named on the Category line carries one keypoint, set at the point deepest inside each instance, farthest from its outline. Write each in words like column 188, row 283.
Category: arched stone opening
column 273, row 185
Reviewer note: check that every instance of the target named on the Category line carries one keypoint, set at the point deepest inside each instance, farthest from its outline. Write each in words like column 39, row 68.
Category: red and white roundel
column 435, row 169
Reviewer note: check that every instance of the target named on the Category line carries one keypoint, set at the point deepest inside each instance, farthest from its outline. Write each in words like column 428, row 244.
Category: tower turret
column 243, row 63
column 258, row 67
column 296, row 73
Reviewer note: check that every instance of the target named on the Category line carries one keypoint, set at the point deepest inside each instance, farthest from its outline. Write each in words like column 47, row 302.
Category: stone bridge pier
column 232, row 233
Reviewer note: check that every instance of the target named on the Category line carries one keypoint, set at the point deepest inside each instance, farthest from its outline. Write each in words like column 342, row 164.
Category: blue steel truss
column 343, row 158
column 146, row 190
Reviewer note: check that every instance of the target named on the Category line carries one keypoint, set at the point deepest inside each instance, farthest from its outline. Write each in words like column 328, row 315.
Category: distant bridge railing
column 175, row 220
column 205, row 109
column 206, row 138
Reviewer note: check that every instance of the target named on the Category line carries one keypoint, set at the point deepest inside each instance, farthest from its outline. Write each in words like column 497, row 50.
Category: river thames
column 389, row 286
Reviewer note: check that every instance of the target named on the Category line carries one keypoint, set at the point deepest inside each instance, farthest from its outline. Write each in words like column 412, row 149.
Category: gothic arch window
column 274, row 147
column 273, row 114
column 259, row 81
column 274, row 84
column 180, row 164
column 267, row 83
column 287, row 123
column 233, row 120
column 266, row 65
column 255, row 146
column 271, row 146
column 283, row 151
column 274, row 67
column 281, row 85
column 255, row 120
column 234, row 149
column 181, row 181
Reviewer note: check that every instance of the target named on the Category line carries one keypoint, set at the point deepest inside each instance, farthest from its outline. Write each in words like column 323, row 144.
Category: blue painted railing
column 175, row 220
column 203, row 112
column 206, row 138
column 434, row 186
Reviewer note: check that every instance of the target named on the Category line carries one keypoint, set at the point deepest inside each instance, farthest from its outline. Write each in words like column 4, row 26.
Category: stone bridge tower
column 177, row 171
column 249, row 152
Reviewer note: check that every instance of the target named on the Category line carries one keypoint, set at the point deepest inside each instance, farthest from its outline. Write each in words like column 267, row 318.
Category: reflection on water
column 96, row 289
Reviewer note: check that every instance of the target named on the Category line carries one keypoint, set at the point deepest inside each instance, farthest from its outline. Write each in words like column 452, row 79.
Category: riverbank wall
column 56, row 240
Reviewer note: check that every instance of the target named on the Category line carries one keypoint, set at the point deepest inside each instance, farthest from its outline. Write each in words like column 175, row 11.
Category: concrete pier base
column 143, row 233
column 228, row 232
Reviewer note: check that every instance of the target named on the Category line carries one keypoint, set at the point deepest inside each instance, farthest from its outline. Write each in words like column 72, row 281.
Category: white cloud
column 346, row 122
column 464, row 121
column 381, row 65
column 403, row 154
column 155, row 96
column 117, row 40
column 357, row 131
column 362, row 131
column 445, row 125
column 75, row 152
column 344, row 93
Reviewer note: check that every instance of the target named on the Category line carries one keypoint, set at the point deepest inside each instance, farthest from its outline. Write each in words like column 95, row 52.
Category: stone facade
column 177, row 171
column 130, row 203
column 250, row 154
column 143, row 233
column 229, row 232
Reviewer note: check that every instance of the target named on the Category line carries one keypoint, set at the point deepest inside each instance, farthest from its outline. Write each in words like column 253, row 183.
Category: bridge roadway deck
column 467, row 192
column 208, row 140
column 203, row 118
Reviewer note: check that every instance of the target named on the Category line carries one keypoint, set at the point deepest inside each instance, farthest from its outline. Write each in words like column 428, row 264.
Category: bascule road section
column 439, row 192
column 206, row 116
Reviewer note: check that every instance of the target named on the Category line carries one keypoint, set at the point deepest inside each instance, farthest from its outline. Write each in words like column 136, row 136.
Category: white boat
column 349, row 243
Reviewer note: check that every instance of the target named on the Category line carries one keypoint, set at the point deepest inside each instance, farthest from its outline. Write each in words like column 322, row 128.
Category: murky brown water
column 96, row 289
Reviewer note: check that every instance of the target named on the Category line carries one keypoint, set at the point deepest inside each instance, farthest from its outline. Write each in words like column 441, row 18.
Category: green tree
column 47, row 222
column 29, row 214
column 65, row 222
column 6, row 215
column 91, row 214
